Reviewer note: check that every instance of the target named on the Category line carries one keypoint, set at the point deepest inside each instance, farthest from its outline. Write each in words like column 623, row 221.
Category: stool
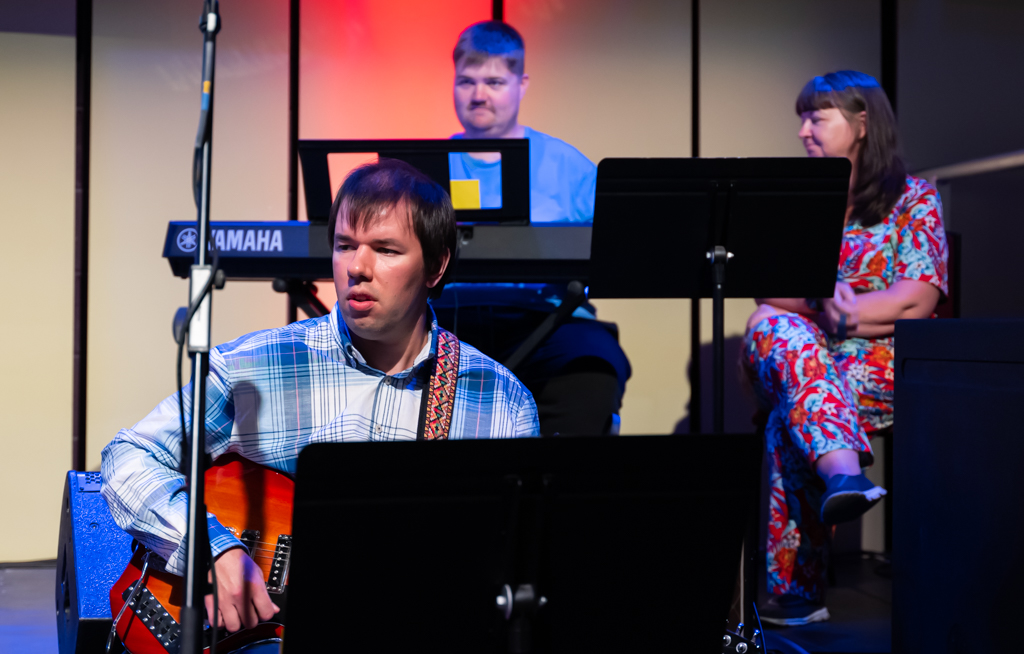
column 886, row 434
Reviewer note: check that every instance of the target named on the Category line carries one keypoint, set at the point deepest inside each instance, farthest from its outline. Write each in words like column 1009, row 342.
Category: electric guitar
column 734, row 642
column 254, row 503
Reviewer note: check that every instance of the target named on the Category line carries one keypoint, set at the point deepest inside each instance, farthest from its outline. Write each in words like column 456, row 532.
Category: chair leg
column 887, row 500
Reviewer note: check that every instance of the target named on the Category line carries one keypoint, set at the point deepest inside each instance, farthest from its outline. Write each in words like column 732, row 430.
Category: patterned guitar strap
column 439, row 393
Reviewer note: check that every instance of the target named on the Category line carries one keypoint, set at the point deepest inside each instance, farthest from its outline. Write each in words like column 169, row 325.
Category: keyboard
column 300, row 250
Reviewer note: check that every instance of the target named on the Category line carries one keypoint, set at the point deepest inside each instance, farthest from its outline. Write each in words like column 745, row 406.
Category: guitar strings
column 256, row 555
column 282, row 549
column 264, row 542
column 264, row 554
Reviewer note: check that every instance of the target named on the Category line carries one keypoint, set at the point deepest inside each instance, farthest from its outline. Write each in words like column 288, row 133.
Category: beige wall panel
column 37, row 184
column 655, row 334
column 755, row 58
column 612, row 77
column 146, row 91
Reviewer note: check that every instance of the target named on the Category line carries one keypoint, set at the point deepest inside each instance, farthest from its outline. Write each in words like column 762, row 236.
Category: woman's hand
column 878, row 311
column 842, row 303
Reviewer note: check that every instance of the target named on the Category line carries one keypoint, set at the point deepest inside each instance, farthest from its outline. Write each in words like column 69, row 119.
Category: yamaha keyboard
column 299, row 250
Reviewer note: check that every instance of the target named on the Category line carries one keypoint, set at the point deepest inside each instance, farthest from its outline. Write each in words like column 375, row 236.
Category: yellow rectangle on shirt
column 465, row 193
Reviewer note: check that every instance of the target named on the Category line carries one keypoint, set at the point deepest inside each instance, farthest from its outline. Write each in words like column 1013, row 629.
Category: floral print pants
column 813, row 404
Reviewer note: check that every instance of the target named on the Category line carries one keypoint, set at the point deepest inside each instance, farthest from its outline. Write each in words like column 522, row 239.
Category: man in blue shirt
column 578, row 375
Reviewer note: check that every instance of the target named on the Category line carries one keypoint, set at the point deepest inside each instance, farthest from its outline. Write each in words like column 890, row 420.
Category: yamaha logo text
column 235, row 240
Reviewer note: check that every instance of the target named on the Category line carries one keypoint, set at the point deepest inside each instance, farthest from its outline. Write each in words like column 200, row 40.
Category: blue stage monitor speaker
column 92, row 553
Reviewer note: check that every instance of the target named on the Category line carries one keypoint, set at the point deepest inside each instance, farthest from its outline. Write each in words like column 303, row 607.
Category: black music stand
column 666, row 228
column 431, row 157
column 670, row 228
column 526, row 545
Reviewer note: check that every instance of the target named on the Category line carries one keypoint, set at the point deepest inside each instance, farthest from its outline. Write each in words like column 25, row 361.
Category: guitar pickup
column 279, row 569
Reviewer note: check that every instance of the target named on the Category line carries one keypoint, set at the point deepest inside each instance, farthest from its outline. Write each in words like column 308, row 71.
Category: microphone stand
column 198, row 555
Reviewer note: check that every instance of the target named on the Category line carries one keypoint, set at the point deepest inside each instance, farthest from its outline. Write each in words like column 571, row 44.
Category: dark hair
column 491, row 38
column 374, row 187
column 881, row 175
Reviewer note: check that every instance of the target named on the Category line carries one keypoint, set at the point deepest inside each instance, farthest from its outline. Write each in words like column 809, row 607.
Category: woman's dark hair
column 881, row 175
column 371, row 190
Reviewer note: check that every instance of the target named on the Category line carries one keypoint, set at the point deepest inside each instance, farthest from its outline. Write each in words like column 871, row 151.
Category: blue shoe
column 847, row 497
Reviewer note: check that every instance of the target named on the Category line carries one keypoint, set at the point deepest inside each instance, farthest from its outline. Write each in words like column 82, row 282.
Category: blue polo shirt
column 562, row 180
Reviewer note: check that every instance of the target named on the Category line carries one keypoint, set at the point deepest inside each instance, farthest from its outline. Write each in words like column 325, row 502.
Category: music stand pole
column 197, row 553
column 718, row 257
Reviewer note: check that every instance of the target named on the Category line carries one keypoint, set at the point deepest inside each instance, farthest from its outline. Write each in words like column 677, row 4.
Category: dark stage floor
column 860, row 605
column 861, row 608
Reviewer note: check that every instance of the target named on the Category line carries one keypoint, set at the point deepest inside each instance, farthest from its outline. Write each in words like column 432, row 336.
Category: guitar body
column 252, row 501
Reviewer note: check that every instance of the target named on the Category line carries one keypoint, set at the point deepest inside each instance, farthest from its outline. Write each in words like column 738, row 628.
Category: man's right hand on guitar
column 242, row 598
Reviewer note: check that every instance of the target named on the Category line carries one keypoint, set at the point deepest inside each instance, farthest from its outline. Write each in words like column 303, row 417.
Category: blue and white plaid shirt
column 271, row 393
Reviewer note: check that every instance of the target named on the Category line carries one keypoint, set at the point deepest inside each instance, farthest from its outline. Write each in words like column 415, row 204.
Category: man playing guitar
column 376, row 368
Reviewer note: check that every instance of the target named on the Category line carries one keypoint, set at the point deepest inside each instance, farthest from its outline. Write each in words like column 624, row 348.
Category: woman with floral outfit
column 823, row 368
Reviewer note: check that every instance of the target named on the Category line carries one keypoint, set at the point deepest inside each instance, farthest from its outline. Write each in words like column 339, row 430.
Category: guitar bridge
column 279, row 570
